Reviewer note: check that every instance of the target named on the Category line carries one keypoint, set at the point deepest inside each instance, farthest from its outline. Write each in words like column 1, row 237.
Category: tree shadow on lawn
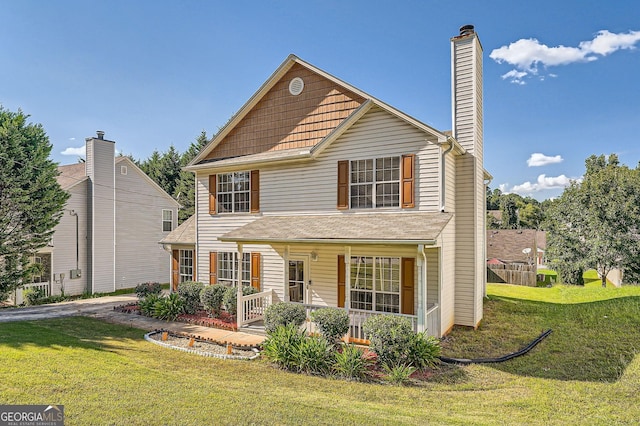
column 69, row 332
column 592, row 342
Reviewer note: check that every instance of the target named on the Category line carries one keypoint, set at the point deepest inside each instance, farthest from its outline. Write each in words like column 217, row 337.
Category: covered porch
column 368, row 264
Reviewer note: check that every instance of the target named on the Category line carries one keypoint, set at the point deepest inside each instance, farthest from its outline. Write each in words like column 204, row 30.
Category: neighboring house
column 181, row 243
column 523, row 246
column 107, row 238
column 317, row 193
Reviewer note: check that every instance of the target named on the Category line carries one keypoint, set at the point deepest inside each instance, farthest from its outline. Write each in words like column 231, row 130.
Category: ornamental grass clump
column 333, row 323
column 168, row 308
column 282, row 314
column 314, row 355
column 147, row 305
column 282, row 344
column 352, row 363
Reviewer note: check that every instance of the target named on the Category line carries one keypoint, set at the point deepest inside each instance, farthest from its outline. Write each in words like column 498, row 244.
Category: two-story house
column 326, row 196
column 107, row 238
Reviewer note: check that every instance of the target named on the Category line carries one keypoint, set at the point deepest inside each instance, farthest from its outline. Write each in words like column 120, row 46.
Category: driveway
column 65, row 309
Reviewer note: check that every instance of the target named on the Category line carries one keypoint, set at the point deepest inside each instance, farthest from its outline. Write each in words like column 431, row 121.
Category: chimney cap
column 467, row 30
column 100, row 134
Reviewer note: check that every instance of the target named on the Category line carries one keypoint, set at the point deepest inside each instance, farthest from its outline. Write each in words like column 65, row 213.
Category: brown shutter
column 408, row 284
column 341, row 280
column 408, row 181
column 175, row 269
column 255, row 270
column 213, row 267
column 254, row 201
column 212, row 194
column 343, row 185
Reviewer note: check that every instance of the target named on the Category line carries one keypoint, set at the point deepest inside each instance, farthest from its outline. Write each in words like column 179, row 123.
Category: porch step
column 254, row 328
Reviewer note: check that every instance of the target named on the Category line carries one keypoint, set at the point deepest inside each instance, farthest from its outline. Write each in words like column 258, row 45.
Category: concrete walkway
column 102, row 308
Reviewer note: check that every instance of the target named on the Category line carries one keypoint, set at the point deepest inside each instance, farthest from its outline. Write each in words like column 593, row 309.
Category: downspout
column 422, row 292
column 443, row 175
column 73, row 213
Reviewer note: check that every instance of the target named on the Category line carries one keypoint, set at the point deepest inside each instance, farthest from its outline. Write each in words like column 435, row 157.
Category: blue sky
column 560, row 78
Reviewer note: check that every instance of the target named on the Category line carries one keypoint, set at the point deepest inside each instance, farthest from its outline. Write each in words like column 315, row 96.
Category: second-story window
column 375, row 183
column 233, row 192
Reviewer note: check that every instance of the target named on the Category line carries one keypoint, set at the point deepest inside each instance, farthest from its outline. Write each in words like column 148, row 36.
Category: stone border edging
column 148, row 338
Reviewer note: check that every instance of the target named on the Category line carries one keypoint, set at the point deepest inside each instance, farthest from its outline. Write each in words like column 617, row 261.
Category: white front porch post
column 239, row 302
column 422, row 288
column 286, row 274
column 347, row 278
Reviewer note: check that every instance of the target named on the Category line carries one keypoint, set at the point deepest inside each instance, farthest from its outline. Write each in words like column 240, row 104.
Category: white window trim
column 374, row 182
column 233, row 193
column 376, row 277
column 234, row 269
column 170, row 220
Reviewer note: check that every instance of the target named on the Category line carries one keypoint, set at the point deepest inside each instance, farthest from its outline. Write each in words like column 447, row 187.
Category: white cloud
column 538, row 159
column 528, row 54
column 543, row 182
column 78, row 152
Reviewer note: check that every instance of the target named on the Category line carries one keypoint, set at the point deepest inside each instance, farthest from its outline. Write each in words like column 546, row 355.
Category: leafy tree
column 509, row 210
column 31, row 200
column 184, row 190
column 595, row 223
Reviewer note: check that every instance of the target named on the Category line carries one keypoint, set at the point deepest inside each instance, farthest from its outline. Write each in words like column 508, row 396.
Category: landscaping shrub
column 145, row 289
column 423, row 351
column 389, row 337
column 398, row 374
column 230, row 298
column 212, row 297
column 281, row 346
column 314, row 355
column 283, row 313
column 351, row 363
column 333, row 323
column 147, row 304
column 168, row 308
column 33, row 296
column 190, row 293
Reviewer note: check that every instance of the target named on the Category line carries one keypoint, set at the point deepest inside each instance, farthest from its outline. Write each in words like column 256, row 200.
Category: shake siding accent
column 100, row 156
column 139, row 205
column 293, row 121
column 63, row 256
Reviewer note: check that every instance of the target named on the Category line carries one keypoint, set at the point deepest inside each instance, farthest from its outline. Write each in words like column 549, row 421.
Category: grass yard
column 586, row 372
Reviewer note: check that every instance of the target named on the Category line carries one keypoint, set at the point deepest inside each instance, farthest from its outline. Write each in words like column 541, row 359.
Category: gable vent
column 295, row 86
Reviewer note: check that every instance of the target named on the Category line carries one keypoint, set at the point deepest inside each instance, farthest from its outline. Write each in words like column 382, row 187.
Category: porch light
column 314, row 256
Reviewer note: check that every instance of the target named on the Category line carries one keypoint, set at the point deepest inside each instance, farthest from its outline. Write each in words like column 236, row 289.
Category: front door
column 297, row 287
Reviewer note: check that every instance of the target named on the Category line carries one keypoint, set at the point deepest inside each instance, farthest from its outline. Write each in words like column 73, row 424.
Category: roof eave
column 327, row 241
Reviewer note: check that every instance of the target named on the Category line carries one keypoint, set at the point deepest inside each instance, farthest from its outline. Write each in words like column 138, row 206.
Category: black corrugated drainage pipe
column 504, row 358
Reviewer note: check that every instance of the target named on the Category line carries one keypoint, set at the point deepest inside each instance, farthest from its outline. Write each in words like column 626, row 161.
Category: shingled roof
column 507, row 244
column 71, row 174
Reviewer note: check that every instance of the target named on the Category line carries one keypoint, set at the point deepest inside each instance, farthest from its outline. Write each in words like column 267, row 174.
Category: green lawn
column 586, row 372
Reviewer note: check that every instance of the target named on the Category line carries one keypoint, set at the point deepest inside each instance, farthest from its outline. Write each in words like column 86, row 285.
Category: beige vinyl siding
column 100, row 153
column 465, row 242
column 448, row 277
column 63, row 255
column 139, row 205
column 311, row 186
column 450, row 183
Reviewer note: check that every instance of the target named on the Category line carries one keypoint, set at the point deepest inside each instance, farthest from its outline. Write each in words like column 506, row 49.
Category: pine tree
column 31, row 200
column 184, row 190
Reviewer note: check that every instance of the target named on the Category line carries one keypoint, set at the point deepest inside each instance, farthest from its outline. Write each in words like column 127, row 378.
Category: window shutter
column 175, row 269
column 212, row 194
column 255, row 270
column 343, row 185
column 341, row 280
column 213, row 267
column 408, row 181
column 408, row 284
column 254, row 200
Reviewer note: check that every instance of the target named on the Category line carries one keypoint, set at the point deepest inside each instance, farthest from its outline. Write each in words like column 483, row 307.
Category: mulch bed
column 225, row 321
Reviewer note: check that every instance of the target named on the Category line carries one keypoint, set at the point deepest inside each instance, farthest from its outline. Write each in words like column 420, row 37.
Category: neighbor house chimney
column 466, row 94
column 101, row 216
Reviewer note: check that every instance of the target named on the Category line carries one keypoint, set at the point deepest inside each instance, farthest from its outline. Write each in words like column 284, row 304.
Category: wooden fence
column 512, row 274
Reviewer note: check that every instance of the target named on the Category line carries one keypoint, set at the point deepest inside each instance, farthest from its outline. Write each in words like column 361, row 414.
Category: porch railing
column 18, row 296
column 357, row 317
column 253, row 307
